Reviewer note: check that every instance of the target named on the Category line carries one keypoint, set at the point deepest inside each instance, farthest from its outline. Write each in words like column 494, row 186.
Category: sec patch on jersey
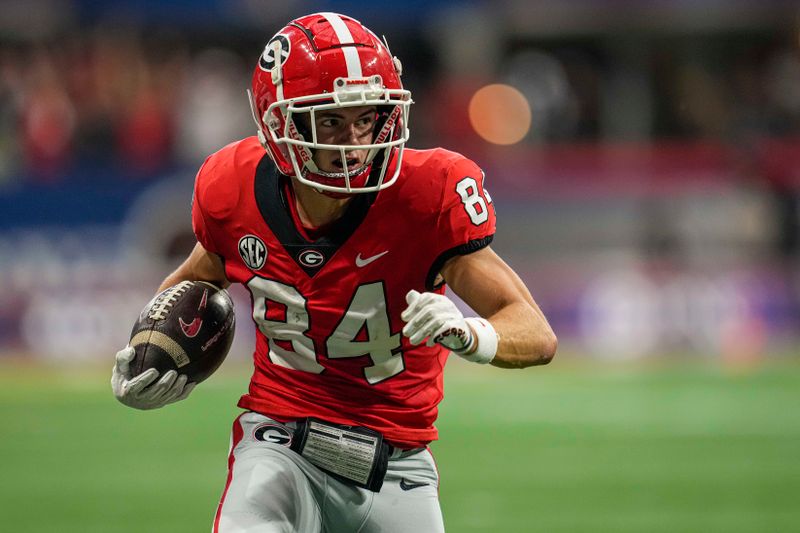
column 188, row 327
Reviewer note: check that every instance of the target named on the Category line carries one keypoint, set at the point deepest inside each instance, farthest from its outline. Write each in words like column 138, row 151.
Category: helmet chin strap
column 374, row 167
column 322, row 176
column 335, row 175
column 310, row 167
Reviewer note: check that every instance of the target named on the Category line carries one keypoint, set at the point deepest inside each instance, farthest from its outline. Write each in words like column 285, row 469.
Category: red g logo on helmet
column 321, row 62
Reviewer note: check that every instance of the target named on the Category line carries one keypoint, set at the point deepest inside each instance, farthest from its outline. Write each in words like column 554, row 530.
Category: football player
column 345, row 239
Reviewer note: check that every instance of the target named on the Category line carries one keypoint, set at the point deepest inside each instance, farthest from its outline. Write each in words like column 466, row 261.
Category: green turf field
column 569, row 447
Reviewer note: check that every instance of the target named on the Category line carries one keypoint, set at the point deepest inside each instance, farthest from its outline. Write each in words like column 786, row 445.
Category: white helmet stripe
column 345, row 37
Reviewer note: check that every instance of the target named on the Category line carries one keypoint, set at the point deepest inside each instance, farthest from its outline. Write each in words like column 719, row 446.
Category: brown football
column 188, row 327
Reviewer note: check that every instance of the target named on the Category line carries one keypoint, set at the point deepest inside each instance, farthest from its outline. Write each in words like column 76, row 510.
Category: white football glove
column 436, row 317
column 140, row 392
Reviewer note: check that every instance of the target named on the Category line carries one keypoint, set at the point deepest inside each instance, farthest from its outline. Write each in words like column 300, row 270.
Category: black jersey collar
column 273, row 204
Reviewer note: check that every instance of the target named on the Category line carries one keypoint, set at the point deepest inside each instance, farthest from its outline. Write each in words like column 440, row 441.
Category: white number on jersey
column 268, row 292
column 366, row 310
column 474, row 204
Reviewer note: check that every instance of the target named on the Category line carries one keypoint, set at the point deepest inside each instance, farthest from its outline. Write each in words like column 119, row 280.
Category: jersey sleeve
column 467, row 219
column 199, row 224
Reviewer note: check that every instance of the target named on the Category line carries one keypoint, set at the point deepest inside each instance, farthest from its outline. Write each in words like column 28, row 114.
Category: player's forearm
column 201, row 265
column 174, row 278
column 525, row 337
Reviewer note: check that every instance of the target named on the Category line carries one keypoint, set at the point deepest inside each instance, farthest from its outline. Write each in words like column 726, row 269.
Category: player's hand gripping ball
column 188, row 328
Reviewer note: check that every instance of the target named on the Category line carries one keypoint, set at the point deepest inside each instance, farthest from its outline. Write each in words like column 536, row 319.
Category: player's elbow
column 547, row 348
column 538, row 352
column 543, row 350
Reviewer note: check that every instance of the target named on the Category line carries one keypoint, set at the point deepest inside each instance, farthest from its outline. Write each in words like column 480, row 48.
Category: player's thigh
column 267, row 492
column 409, row 499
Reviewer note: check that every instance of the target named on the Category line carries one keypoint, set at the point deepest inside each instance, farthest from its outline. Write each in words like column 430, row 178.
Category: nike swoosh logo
column 192, row 328
column 364, row 262
column 408, row 486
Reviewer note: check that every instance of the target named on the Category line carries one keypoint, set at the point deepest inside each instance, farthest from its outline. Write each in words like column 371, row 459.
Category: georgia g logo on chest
column 253, row 251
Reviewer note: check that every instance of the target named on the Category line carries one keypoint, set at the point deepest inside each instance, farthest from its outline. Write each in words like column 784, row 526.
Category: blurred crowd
column 145, row 100
column 115, row 97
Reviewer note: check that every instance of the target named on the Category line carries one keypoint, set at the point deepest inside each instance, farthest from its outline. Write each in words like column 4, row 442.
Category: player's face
column 349, row 125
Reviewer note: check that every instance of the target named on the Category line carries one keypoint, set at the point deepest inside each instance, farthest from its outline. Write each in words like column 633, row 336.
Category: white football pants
column 272, row 489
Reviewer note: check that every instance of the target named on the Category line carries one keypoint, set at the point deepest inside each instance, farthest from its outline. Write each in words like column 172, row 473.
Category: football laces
column 164, row 301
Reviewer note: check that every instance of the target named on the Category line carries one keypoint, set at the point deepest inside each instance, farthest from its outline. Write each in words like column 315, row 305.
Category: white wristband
column 485, row 341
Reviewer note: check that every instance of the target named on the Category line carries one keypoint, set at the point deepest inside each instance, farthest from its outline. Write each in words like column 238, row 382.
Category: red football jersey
column 327, row 311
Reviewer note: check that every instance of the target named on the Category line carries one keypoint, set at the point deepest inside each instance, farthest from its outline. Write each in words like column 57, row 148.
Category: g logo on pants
column 273, row 433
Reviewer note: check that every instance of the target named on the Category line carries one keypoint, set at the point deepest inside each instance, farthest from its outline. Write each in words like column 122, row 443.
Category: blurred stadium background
column 644, row 158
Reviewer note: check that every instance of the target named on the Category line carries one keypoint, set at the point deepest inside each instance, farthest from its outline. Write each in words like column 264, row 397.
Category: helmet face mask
column 330, row 62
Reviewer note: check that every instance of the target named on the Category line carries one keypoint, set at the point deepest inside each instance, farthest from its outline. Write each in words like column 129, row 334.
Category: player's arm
column 512, row 333
column 489, row 286
column 201, row 265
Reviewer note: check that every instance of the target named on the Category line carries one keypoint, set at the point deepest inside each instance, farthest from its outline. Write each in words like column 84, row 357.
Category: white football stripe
column 345, row 37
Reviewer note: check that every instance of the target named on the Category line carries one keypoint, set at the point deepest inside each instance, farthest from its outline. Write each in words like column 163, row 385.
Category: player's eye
column 328, row 122
column 365, row 125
